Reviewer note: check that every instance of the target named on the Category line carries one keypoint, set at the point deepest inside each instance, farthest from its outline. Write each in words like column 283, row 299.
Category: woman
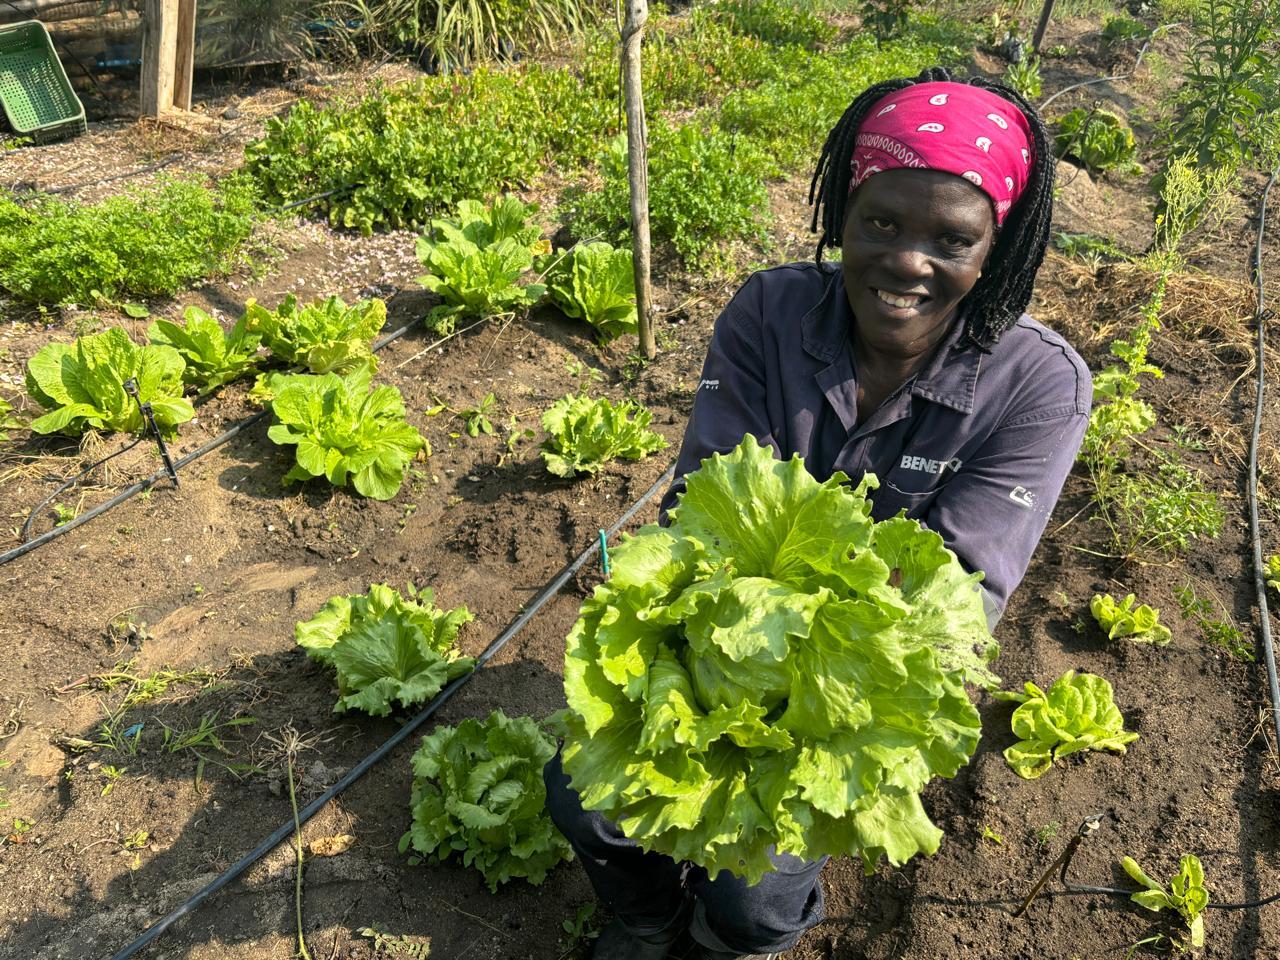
column 913, row 361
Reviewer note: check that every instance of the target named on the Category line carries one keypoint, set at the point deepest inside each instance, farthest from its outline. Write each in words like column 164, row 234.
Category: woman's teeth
column 894, row 301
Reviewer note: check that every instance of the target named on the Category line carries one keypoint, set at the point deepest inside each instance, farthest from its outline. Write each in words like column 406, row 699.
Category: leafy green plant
column 585, row 434
column 777, row 22
column 213, row 356
column 1121, row 31
column 1088, row 247
column 1098, row 138
column 1160, row 512
column 1078, row 713
column 774, row 669
column 82, row 385
column 476, row 419
column 1219, row 631
column 1272, row 571
column 325, row 336
column 705, row 189
column 594, row 282
column 1123, row 620
column 479, row 256
column 886, row 18
column 478, row 791
column 386, row 647
column 346, row 432
column 1186, row 895
column 149, row 242
column 1024, row 76
column 7, row 420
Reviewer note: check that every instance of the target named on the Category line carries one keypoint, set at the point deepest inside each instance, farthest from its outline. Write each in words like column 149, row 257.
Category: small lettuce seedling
column 1122, row 619
column 585, row 434
column 1272, row 571
column 1078, row 713
column 1186, row 895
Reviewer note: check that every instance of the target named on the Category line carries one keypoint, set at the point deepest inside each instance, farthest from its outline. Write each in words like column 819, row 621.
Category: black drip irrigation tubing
column 363, row 767
column 141, row 485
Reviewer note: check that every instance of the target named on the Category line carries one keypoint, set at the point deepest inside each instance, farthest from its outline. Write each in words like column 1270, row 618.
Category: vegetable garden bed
column 206, row 582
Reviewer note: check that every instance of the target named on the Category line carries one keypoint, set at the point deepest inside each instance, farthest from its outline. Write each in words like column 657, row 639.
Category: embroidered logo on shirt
column 709, row 385
column 925, row 465
column 1023, row 496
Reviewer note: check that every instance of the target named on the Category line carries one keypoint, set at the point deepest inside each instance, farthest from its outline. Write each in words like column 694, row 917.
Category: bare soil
column 212, row 576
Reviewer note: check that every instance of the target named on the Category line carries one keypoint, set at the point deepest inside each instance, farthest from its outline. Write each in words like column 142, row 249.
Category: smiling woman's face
column 914, row 245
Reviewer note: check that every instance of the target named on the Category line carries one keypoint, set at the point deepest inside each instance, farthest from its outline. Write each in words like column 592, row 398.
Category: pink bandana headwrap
column 952, row 127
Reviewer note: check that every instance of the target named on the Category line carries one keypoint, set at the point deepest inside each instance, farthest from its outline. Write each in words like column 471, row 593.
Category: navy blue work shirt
column 976, row 445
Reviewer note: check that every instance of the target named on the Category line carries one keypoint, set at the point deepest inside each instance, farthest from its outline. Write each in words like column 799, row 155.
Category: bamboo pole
column 637, row 157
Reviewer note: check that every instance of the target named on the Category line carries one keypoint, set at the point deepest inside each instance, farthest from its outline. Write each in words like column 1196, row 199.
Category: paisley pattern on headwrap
column 952, row 127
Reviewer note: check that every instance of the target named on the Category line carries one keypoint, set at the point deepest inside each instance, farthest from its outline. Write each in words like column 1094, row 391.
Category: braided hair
column 1004, row 289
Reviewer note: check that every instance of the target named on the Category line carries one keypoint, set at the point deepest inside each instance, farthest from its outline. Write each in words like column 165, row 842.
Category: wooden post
column 1045, row 12
column 168, row 50
column 638, row 163
column 185, row 59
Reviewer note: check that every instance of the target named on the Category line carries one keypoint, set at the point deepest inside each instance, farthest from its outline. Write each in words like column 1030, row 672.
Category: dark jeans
column 649, row 891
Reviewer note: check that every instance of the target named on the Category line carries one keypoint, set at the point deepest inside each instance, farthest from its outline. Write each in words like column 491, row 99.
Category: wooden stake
column 159, row 52
column 1045, row 12
column 638, row 163
column 185, row 58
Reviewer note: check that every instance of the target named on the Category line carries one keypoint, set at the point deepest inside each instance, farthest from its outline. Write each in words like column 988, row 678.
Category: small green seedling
column 477, row 418
column 989, row 834
column 1047, row 832
column 399, row 945
column 1186, row 895
column 1140, row 624
column 582, row 926
column 64, row 514
column 112, row 775
column 1272, row 571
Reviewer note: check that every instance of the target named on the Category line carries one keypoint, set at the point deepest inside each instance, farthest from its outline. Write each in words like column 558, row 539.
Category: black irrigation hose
column 360, row 769
column 1259, row 581
column 136, row 488
column 1119, row 76
column 26, row 526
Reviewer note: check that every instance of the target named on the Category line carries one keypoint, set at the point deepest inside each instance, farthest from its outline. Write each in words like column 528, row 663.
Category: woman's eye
column 881, row 223
column 954, row 241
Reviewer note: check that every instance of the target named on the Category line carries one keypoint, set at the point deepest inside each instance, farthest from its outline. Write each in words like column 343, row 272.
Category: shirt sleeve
column 994, row 510
column 731, row 397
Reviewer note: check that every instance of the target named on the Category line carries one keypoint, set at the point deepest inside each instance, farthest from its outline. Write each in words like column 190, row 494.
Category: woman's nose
column 908, row 261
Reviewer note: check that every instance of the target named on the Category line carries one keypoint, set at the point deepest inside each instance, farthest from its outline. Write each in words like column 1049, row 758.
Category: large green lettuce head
column 775, row 669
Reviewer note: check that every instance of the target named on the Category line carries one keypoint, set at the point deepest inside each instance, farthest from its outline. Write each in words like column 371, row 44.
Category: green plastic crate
column 37, row 97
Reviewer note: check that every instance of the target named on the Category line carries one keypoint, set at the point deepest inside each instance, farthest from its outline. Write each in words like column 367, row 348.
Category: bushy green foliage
column 213, row 356
column 1118, row 31
column 698, row 64
column 705, row 188
column 1122, row 619
column 774, row 670
column 82, row 385
column 585, row 434
column 151, row 241
column 1078, row 713
column 778, row 22
column 478, row 791
column 1158, row 513
column 475, row 259
column 596, row 283
column 325, row 336
column 1272, row 571
column 1024, row 76
column 7, row 420
column 345, row 432
column 405, row 154
column 1099, row 139
column 1186, row 896
column 386, row 647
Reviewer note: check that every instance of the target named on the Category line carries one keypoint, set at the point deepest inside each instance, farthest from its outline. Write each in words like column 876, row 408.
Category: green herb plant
column 1077, row 713
column 779, row 22
column 213, row 356
column 82, row 385
column 325, row 336
column 1186, row 895
column 1024, row 76
column 7, row 419
column 1122, row 619
column 346, row 431
column 584, row 434
column 594, row 282
column 386, row 647
column 1220, row 631
column 478, row 792
column 476, row 419
column 774, row 670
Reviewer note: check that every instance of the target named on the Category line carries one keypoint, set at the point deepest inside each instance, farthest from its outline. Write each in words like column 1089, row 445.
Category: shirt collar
column 949, row 378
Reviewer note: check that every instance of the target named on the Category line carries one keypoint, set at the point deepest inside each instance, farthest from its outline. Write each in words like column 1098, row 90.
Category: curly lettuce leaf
column 213, row 356
column 1122, row 619
column 478, row 791
column 585, row 434
column 595, row 282
column 386, row 648
column 1078, row 713
column 774, row 669
column 82, row 385
column 326, row 336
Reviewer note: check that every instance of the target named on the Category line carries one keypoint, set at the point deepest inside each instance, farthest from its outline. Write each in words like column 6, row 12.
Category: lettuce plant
column 82, row 385
column 478, row 791
column 1187, row 895
column 346, row 432
column 386, row 647
column 585, row 434
column 774, row 669
column 1099, row 139
column 7, row 420
column 595, row 282
column 1078, row 713
column 1272, row 571
column 326, row 336
column 213, row 357
column 473, row 262
column 1123, row 620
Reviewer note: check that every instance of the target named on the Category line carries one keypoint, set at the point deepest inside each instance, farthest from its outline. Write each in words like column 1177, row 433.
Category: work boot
column 706, row 953
column 616, row 942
